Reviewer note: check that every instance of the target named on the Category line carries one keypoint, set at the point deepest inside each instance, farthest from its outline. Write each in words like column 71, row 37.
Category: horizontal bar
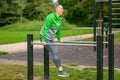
column 115, row 3
column 83, row 42
column 115, row 13
column 84, row 28
column 115, row 24
column 101, row 0
column 99, row 20
column 115, row 8
column 115, row 18
column 106, row 16
column 115, row 0
column 106, row 23
column 64, row 44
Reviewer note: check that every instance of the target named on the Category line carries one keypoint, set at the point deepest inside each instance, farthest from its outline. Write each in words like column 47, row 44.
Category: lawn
column 18, row 32
column 17, row 72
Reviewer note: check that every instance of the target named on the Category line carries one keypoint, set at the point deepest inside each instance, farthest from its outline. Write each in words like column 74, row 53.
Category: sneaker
column 63, row 74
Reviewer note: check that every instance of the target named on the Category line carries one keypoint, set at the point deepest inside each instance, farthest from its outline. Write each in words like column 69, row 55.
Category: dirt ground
column 70, row 54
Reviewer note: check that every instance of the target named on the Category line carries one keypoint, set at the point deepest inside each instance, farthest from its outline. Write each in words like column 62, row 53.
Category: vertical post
column 46, row 64
column 30, row 57
column 99, row 57
column 110, row 16
column 106, row 37
column 111, row 56
column 94, row 23
column 103, row 23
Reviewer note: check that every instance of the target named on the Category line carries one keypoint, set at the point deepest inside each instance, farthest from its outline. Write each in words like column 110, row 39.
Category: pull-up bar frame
column 98, row 44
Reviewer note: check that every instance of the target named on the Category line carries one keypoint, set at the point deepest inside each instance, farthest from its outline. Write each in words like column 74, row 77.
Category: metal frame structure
column 98, row 44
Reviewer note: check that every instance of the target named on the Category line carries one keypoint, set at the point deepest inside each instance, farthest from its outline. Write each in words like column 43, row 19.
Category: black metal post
column 30, row 57
column 94, row 23
column 99, row 57
column 106, row 37
column 46, row 64
column 110, row 16
column 111, row 56
column 103, row 23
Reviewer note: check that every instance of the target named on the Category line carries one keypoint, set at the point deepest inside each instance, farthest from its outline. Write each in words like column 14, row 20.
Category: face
column 59, row 10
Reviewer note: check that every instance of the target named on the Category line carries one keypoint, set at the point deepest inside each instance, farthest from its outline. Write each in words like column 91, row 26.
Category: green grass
column 17, row 72
column 18, row 32
column 117, row 38
column 3, row 53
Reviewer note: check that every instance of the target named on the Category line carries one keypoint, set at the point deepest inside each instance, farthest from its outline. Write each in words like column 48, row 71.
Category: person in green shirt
column 49, row 29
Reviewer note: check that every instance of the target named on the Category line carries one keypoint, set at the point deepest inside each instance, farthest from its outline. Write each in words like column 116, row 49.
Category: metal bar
column 99, row 57
column 106, row 37
column 115, row 8
column 64, row 44
column 99, row 20
column 83, row 42
column 115, row 0
column 111, row 56
column 110, row 16
column 94, row 23
column 115, row 3
column 46, row 64
column 116, row 24
column 101, row 0
column 30, row 57
column 115, row 18
column 115, row 13
column 103, row 23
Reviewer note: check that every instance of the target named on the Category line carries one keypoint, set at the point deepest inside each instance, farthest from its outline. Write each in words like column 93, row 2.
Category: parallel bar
column 115, row 13
column 99, row 20
column 30, row 56
column 106, row 16
column 85, row 28
column 99, row 57
column 115, row 0
column 115, row 18
column 64, row 44
column 111, row 56
column 83, row 42
column 46, row 64
column 115, row 8
column 101, row 0
column 115, row 3
column 115, row 23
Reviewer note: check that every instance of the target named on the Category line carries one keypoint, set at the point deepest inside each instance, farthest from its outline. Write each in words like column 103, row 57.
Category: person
column 49, row 29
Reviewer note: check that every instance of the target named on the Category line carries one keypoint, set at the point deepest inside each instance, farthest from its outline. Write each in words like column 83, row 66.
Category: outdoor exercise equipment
column 98, row 44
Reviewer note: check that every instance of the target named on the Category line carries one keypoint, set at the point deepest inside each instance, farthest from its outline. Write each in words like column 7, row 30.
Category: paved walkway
column 22, row 46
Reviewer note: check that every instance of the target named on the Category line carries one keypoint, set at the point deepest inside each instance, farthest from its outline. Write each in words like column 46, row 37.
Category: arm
column 46, row 28
column 58, row 33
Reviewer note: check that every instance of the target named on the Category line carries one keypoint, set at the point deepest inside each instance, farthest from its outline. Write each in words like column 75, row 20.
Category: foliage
column 21, row 10
column 78, row 10
column 75, row 11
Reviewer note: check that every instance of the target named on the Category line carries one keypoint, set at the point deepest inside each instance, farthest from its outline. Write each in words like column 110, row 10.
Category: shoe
column 63, row 74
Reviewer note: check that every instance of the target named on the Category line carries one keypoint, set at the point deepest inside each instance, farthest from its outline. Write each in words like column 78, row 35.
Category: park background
column 20, row 17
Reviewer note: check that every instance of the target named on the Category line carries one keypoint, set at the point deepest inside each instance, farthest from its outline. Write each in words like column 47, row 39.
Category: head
column 59, row 9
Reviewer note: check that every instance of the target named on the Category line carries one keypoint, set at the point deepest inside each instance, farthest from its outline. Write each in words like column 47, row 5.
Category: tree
column 78, row 10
